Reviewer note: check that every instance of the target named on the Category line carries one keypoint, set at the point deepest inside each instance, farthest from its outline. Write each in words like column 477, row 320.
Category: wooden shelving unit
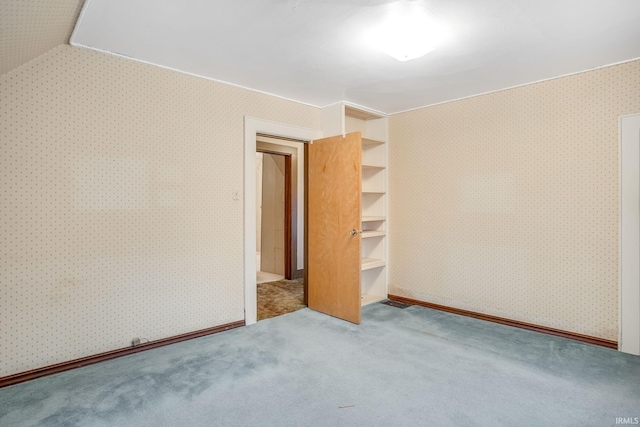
column 373, row 128
column 370, row 299
column 366, row 142
column 373, row 233
column 373, row 167
column 369, row 263
column 343, row 118
column 373, row 218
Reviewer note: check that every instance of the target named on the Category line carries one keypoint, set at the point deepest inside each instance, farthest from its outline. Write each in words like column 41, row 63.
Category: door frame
column 628, row 237
column 252, row 127
column 288, row 212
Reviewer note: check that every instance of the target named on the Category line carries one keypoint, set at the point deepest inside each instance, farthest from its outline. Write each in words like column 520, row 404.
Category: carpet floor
column 281, row 297
column 400, row 367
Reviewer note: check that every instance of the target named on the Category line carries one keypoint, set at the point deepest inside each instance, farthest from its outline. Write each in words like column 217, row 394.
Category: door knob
column 355, row 232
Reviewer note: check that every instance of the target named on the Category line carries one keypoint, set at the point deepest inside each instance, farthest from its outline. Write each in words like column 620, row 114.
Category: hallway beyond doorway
column 264, row 276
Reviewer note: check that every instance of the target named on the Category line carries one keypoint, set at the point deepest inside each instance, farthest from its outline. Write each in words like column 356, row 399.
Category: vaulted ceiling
column 319, row 52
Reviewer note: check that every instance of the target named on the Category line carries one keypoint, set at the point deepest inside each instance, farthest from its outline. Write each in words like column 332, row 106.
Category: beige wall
column 30, row 28
column 116, row 212
column 117, row 218
column 273, row 209
column 295, row 150
column 507, row 203
column 259, row 162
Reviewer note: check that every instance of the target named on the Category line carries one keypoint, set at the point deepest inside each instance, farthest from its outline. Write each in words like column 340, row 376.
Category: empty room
column 319, row 213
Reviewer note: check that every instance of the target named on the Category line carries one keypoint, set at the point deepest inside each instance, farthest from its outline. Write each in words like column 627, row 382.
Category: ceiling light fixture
column 408, row 32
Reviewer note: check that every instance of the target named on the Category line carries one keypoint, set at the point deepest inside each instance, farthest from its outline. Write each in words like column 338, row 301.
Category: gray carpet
column 400, row 367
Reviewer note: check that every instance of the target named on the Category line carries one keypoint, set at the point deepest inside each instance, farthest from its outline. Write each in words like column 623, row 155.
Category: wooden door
column 334, row 209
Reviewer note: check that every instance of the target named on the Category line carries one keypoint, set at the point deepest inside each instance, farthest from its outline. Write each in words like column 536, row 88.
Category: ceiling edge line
column 79, row 45
column 517, row 86
column 84, row 9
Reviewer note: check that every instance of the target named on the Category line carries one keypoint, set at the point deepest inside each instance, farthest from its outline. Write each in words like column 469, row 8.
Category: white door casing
column 629, row 235
column 252, row 127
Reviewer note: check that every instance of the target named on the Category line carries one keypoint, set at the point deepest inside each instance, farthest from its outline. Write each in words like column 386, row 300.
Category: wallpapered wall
column 30, row 28
column 507, row 203
column 116, row 211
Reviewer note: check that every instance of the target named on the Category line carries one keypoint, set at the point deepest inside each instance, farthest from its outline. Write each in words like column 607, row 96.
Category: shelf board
column 367, row 141
column 369, row 263
column 373, row 192
column 367, row 299
column 373, row 218
column 360, row 114
column 373, row 233
column 373, row 167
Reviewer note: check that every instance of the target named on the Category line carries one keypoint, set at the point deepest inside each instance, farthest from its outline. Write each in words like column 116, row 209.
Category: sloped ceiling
column 318, row 51
column 29, row 28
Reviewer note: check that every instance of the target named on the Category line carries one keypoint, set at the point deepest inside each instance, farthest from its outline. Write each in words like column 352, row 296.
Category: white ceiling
column 316, row 51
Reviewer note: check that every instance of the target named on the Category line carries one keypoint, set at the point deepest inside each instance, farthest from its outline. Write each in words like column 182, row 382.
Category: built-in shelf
column 343, row 118
column 369, row 263
column 367, row 299
column 367, row 141
column 360, row 114
column 373, row 218
column 373, row 167
column 373, row 233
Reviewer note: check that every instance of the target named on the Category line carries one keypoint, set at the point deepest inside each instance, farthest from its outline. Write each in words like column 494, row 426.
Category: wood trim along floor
column 515, row 323
column 101, row 357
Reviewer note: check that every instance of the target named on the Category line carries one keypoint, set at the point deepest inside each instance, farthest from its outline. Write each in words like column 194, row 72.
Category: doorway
column 278, row 291
column 253, row 129
column 273, row 216
column 333, row 191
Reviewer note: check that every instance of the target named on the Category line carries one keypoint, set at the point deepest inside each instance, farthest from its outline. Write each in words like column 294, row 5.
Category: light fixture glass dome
column 408, row 32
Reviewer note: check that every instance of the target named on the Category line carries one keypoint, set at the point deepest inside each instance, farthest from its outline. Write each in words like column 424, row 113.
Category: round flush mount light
column 408, row 32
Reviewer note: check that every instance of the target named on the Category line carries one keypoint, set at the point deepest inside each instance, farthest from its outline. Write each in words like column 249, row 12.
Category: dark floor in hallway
column 281, row 297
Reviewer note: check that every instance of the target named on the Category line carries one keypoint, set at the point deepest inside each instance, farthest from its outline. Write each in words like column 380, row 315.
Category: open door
column 334, row 217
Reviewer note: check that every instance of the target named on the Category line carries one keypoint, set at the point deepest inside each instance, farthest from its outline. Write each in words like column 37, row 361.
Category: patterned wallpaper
column 29, row 28
column 116, row 211
column 352, row 124
column 507, row 203
column 117, row 218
